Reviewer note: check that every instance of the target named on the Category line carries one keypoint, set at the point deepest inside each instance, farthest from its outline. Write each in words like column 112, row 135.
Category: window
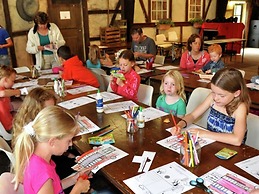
column 159, row 10
column 238, row 12
column 195, row 9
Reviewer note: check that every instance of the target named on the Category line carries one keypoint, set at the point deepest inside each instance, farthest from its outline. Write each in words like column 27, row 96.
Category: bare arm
column 10, row 92
column 189, row 118
column 8, row 44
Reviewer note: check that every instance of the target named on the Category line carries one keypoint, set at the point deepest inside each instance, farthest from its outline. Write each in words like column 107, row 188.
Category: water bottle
column 99, row 102
column 141, row 120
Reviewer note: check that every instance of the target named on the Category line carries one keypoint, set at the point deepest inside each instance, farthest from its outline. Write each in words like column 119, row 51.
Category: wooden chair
column 145, row 93
column 162, row 45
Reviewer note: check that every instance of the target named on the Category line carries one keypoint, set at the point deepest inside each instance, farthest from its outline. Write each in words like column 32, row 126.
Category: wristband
column 185, row 123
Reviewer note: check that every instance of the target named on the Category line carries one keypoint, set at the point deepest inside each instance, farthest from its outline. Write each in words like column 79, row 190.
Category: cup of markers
column 131, row 120
column 149, row 63
column 190, row 150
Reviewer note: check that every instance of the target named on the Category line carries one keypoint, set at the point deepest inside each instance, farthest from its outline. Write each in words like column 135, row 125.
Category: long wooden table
column 145, row 140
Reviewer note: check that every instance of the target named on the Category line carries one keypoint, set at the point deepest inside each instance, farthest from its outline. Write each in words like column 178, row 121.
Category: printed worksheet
column 81, row 90
column 74, row 103
column 174, row 142
column 151, row 113
column 221, row 180
column 250, row 166
column 143, row 71
column 99, row 157
column 32, row 82
column 86, row 125
column 107, row 96
column 253, row 86
column 167, row 179
column 45, row 71
column 49, row 76
column 168, row 67
column 118, row 106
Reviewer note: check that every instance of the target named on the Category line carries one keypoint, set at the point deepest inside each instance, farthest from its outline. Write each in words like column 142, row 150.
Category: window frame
column 168, row 14
column 202, row 10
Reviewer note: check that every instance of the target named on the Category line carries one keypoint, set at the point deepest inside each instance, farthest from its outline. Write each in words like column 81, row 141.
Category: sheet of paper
column 173, row 142
column 143, row 71
column 45, row 71
column 140, row 62
column 150, row 113
column 68, row 82
column 204, row 80
column 169, row 67
column 145, row 160
column 32, row 82
column 107, row 96
column 250, row 166
column 81, row 90
column 153, row 65
column 99, row 157
column 221, row 178
column 86, row 125
column 170, row 178
column 118, row 106
column 253, row 86
column 20, row 77
column 74, row 103
column 50, row 76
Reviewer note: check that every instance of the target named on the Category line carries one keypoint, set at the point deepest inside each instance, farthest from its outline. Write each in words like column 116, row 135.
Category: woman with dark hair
column 195, row 57
column 43, row 41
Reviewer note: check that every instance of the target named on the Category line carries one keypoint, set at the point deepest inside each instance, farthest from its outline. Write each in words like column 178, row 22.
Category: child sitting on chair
column 7, row 77
column 127, row 85
column 172, row 99
column 95, row 60
column 215, row 62
column 74, row 68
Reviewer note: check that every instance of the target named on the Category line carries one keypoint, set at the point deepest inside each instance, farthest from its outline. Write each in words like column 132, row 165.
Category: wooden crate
column 110, row 35
column 122, row 24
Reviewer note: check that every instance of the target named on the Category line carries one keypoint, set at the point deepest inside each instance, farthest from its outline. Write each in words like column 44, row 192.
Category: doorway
column 68, row 17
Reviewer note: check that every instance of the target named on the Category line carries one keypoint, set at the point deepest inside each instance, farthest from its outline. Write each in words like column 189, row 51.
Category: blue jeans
column 4, row 60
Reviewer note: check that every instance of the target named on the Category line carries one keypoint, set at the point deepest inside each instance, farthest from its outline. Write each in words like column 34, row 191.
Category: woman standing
column 195, row 57
column 43, row 40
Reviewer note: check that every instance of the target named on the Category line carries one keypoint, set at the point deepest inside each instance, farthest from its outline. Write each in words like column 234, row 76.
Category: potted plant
column 196, row 22
column 165, row 24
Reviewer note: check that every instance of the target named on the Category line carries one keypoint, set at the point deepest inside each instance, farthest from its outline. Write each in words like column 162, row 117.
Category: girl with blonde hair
column 172, row 98
column 95, row 60
column 50, row 133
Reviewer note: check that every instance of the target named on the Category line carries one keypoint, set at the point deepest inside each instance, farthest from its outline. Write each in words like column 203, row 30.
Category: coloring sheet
column 167, row 179
column 81, row 90
column 223, row 181
column 107, row 96
column 143, row 71
column 150, row 113
column 99, row 157
column 49, row 76
column 118, row 106
column 174, row 142
column 32, row 82
column 153, row 65
column 250, row 166
column 86, row 125
column 169, row 67
column 74, row 103
column 46, row 71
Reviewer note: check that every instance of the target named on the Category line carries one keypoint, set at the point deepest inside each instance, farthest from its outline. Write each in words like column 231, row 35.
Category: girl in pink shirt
column 128, row 83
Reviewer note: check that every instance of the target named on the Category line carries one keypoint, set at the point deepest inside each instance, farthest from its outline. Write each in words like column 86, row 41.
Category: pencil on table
column 177, row 128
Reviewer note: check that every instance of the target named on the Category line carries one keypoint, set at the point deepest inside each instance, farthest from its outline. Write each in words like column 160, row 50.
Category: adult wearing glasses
column 142, row 46
column 43, row 40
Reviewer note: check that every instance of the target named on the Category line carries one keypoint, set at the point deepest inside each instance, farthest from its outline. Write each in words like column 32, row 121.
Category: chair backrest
column 160, row 38
column 98, row 74
column 145, row 93
column 172, row 36
column 8, row 151
column 253, row 131
column 23, row 69
column 160, row 59
column 4, row 134
column 106, row 79
column 6, row 185
column 197, row 97
column 242, row 72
